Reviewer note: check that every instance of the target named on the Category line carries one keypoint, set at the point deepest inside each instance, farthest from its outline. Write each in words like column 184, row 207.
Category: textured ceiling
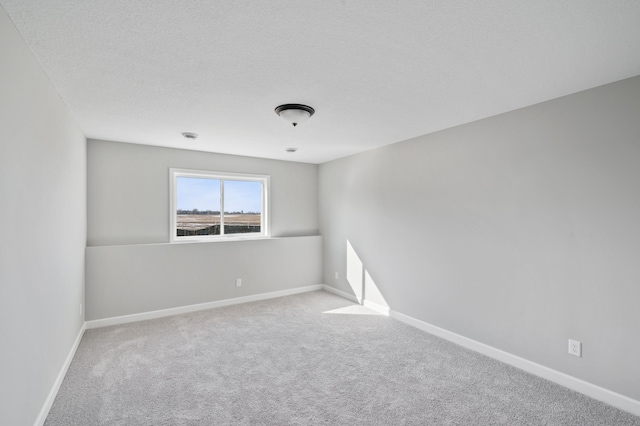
column 377, row 72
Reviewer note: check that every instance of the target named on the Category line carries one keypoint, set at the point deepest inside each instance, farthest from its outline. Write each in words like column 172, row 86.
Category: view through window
column 212, row 205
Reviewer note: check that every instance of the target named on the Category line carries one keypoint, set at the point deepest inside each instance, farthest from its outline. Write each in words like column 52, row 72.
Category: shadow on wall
column 363, row 286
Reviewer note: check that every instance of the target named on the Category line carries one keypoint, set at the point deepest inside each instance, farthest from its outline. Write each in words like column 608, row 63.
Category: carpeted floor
column 308, row 359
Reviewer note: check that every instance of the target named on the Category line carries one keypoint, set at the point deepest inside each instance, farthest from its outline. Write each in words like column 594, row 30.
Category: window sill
column 188, row 240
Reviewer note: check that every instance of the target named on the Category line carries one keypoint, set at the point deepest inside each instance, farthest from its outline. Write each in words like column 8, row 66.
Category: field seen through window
column 209, row 224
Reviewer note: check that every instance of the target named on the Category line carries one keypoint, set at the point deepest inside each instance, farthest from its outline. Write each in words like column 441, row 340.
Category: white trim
column 124, row 319
column 44, row 411
column 617, row 400
column 341, row 293
column 384, row 310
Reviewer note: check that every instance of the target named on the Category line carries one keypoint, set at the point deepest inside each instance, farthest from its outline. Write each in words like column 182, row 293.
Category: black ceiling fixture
column 295, row 113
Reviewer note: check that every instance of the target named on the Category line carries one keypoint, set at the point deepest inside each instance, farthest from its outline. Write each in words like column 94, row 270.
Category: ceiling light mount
column 295, row 113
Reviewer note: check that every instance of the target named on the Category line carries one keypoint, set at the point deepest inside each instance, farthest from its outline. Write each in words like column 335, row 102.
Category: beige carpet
column 308, row 359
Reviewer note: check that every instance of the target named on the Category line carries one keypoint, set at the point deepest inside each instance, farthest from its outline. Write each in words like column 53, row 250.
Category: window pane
column 242, row 206
column 197, row 206
column 209, row 206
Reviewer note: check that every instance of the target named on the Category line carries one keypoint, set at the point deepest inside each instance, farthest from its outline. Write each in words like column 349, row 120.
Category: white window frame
column 173, row 210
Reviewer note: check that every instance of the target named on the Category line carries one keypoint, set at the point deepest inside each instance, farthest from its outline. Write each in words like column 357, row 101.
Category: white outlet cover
column 575, row 348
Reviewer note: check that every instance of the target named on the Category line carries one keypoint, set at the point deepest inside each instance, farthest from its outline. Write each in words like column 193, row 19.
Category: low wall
column 131, row 279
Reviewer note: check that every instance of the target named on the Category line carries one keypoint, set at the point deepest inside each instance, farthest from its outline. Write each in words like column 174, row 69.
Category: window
column 214, row 206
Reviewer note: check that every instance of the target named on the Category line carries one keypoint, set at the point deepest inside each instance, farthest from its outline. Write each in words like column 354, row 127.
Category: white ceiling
column 377, row 72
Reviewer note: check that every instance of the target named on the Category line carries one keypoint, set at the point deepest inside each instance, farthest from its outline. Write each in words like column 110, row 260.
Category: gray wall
column 128, row 191
column 131, row 268
column 43, row 228
column 519, row 231
column 123, row 280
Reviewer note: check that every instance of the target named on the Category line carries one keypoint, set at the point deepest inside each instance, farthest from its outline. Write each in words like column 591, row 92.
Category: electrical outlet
column 239, row 282
column 337, row 276
column 575, row 348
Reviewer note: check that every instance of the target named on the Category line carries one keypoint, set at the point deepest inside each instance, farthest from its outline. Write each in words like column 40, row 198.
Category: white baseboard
column 384, row 310
column 44, row 412
column 341, row 293
column 612, row 398
column 124, row 319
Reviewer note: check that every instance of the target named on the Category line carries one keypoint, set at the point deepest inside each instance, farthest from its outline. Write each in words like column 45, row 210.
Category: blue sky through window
column 204, row 194
column 197, row 193
column 242, row 196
